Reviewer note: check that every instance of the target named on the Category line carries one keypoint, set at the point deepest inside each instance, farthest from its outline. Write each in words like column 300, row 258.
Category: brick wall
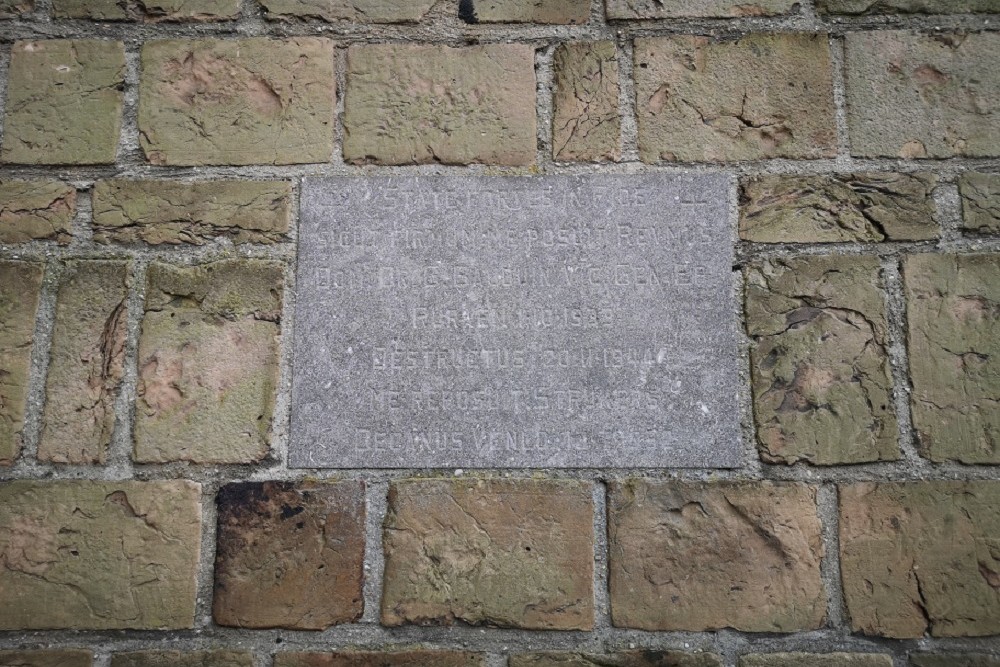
column 149, row 170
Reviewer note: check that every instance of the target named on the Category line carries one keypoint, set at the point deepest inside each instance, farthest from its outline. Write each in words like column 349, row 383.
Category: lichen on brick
column 36, row 210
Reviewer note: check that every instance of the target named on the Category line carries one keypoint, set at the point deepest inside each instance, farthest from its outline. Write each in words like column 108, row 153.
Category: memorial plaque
column 485, row 322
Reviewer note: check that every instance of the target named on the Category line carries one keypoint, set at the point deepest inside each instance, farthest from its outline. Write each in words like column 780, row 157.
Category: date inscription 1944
column 503, row 322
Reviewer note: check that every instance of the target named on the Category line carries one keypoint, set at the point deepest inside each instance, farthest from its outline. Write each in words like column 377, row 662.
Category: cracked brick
column 416, row 104
column 953, row 315
column 585, row 122
column 506, row 553
column 54, row 658
column 624, row 659
column 921, row 557
column 815, row 660
column 168, row 212
column 415, row 658
column 208, row 362
column 525, row 11
column 839, row 208
column 980, row 202
column 36, row 210
column 148, row 11
column 86, row 362
column 238, row 102
column 856, row 7
column 183, row 659
column 923, row 96
column 86, row 555
column 20, row 287
column 64, row 102
column 696, row 556
column 657, row 9
column 354, row 11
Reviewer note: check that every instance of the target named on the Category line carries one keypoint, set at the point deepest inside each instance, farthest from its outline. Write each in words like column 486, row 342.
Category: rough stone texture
column 923, row 96
column 696, row 556
column 718, row 101
column 354, row 11
column 842, row 208
column 953, row 313
column 290, row 555
column 86, row 362
column 658, row 9
column 381, row 659
column 980, row 202
column 524, row 11
column 921, row 557
column 508, row 553
column 172, row 212
column 208, row 362
column 64, row 102
column 183, row 659
column 84, row 555
column 55, row 658
column 815, row 660
column 953, row 660
column 241, row 101
column 907, row 6
column 20, row 284
column 11, row 9
column 36, row 210
column 585, row 122
column 821, row 381
column 416, row 104
column 624, row 659
column 147, row 10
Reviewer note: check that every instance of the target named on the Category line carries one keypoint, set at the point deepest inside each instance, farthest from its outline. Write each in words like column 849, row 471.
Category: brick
column 698, row 99
column 907, row 6
column 20, row 286
column 12, row 9
column 953, row 314
column 381, row 659
column 413, row 104
column 354, row 11
column 85, row 555
column 290, row 555
column 238, row 102
column 507, row 553
column 170, row 212
column 921, row 557
column 86, row 362
column 696, row 556
column 624, row 659
column 840, row 208
column 208, row 362
column 525, row 11
column 149, row 11
column 922, row 96
column 60, row 658
column 64, row 102
column 585, row 123
column 821, row 382
column 980, row 202
column 657, row 9
column 953, row 660
column 36, row 210
column 815, row 660
column 183, row 659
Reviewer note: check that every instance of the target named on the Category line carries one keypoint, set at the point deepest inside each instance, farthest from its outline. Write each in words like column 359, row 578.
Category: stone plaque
column 493, row 322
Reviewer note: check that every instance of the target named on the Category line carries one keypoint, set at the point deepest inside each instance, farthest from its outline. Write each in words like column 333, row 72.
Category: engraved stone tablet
column 490, row 322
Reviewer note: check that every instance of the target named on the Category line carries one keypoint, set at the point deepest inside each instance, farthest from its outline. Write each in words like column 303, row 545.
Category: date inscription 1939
column 495, row 322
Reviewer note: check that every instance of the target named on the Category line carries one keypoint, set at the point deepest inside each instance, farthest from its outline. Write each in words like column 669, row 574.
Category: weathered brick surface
column 657, row 9
column 408, row 104
column 815, row 660
column 355, row 11
column 511, row 553
column 289, row 555
column 585, row 122
column 11, row 9
column 821, row 382
column 695, row 556
column 980, row 202
column 623, row 659
column 55, row 658
column 36, row 210
column 524, row 11
column 147, row 10
column 208, row 360
column 907, row 6
column 98, row 555
column 86, row 362
column 20, row 284
column 241, row 101
column 953, row 312
column 698, row 99
column 64, row 102
column 953, row 660
column 921, row 557
column 415, row 658
column 172, row 212
column 841, row 208
column 923, row 96
column 183, row 659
